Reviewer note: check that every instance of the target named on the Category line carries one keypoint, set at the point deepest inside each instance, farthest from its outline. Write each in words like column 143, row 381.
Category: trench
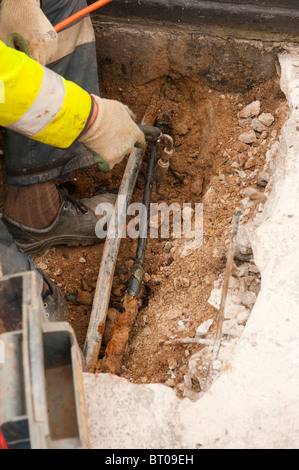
column 201, row 81
column 211, row 166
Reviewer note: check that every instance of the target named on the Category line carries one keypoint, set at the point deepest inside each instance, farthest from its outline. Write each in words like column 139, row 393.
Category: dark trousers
column 29, row 162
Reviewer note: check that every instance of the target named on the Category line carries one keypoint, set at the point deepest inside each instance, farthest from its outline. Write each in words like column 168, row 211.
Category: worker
column 56, row 122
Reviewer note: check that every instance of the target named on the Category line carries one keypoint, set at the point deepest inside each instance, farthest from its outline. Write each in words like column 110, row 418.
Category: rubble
column 252, row 109
column 203, row 329
column 249, row 299
column 258, row 126
column 244, row 237
column 248, row 137
column 267, row 119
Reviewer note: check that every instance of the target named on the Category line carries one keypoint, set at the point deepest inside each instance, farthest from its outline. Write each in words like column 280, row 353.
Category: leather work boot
column 73, row 226
column 54, row 304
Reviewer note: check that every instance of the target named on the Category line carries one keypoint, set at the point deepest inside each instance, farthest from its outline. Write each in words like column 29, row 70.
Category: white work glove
column 26, row 18
column 113, row 134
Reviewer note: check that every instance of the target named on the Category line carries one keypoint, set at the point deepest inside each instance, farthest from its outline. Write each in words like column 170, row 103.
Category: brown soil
column 206, row 129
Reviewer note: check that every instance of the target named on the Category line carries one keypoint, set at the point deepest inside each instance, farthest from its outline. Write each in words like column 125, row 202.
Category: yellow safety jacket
column 39, row 103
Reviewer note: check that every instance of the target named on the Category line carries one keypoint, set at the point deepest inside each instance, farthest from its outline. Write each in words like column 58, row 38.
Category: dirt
column 207, row 157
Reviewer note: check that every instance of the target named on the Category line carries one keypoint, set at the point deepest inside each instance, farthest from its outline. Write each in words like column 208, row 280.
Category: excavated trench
column 202, row 81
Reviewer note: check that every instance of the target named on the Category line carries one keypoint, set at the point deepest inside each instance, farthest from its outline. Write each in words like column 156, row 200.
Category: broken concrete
column 254, row 402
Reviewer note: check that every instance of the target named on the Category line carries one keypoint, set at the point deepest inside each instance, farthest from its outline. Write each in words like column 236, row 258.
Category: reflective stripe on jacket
column 39, row 103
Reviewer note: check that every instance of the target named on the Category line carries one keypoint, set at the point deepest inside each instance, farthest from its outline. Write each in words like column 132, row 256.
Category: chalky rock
column 252, row 109
column 267, row 119
column 248, row 137
column 203, row 329
column 258, row 126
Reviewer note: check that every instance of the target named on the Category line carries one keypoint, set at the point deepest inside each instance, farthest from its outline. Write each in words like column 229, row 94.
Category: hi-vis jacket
column 39, row 103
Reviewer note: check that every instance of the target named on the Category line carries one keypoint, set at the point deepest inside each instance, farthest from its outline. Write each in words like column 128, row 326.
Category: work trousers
column 29, row 162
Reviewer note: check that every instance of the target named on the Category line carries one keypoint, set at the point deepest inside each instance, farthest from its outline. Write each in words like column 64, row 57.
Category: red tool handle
column 80, row 14
column 2, row 441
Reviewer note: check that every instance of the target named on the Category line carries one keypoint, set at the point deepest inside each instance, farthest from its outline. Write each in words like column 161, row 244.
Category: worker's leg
column 35, row 213
column 12, row 261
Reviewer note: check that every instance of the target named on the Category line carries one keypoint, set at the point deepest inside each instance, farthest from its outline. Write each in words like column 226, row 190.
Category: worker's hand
column 113, row 134
column 26, row 18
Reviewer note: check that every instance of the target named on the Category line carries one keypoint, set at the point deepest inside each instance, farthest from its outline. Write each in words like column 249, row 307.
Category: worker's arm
column 26, row 17
column 45, row 107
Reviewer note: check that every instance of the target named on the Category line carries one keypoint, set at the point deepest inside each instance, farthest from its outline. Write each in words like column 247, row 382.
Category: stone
column 43, row 266
column 167, row 247
column 252, row 109
column 251, row 162
column 185, row 282
column 240, row 147
column 264, row 135
column 182, row 326
column 237, row 331
column 244, row 237
column 85, row 286
column 249, row 299
column 249, row 279
column 228, row 325
column 233, row 311
column 241, row 173
column 243, row 157
column 84, row 298
column 243, row 317
column 243, row 270
column 257, row 125
column 188, row 381
column 191, row 394
column 170, row 383
column 256, row 196
column 245, row 122
column 252, row 268
column 200, row 361
column 172, row 363
column 197, row 185
column 203, row 329
column 82, row 260
column 267, row 119
column 248, row 137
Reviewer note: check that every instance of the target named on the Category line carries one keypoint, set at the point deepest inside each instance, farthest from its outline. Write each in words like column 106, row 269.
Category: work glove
column 26, row 18
column 113, row 134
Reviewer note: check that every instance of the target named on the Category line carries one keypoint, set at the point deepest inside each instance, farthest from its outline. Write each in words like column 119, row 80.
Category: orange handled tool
column 80, row 14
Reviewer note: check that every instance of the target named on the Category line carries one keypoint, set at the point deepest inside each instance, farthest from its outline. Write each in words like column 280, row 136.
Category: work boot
column 53, row 299
column 74, row 225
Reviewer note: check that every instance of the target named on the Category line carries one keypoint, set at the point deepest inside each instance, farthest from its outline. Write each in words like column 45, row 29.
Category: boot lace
column 74, row 202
